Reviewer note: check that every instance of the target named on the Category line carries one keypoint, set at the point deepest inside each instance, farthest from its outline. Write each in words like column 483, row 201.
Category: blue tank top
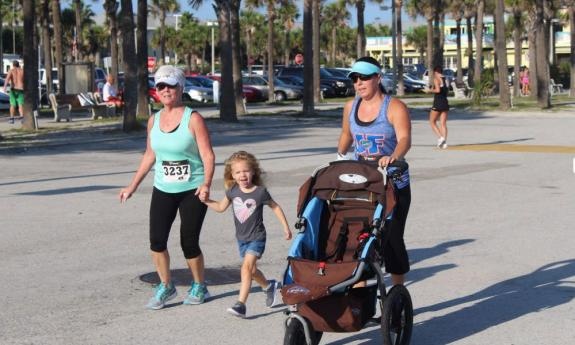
column 178, row 167
column 376, row 138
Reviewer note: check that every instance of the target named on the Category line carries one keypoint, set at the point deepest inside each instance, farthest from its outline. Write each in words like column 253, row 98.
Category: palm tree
column 456, row 10
column 479, row 40
column 542, row 39
column 77, row 4
column 250, row 23
column 287, row 13
column 400, row 85
column 417, row 38
column 236, row 56
column 316, row 13
column 160, row 8
column 227, row 99
column 46, row 46
column 516, row 9
column 142, row 58
column 335, row 16
column 3, row 9
column 571, row 4
column 130, row 66
column 501, row 47
column 30, row 65
column 427, row 9
column 111, row 8
column 469, row 11
column 308, row 98
column 59, row 55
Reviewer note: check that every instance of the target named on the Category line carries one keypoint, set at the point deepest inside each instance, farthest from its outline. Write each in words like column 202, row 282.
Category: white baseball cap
column 171, row 75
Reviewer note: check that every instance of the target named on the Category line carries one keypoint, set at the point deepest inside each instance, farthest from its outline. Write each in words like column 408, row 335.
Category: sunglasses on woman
column 162, row 86
column 362, row 77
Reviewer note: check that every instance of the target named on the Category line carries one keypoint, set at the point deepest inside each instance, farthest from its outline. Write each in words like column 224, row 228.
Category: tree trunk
column 360, row 6
column 400, row 83
column 333, row 44
column 270, row 49
column 56, row 20
column 46, row 46
column 79, row 38
column 542, row 41
column 470, row 61
column 111, row 7
column 130, row 66
column 316, row 51
column 572, row 25
column 236, row 56
column 227, row 96
column 518, row 52
column 287, row 47
column 479, row 40
column 30, row 65
column 531, row 36
column 459, row 72
column 1, row 42
column 429, row 54
column 308, row 98
column 501, row 46
column 142, row 56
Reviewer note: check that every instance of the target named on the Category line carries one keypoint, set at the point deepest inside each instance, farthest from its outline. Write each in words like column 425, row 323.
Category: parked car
column 195, row 91
column 412, row 83
column 326, row 90
column 338, row 72
column 250, row 93
column 153, row 96
column 282, row 91
column 4, row 97
column 343, row 87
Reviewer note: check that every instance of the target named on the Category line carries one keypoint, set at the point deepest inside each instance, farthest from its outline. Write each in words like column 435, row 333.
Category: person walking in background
column 440, row 107
column 247, row 195
column 379, row 127
column 525, row 82
column 179, row 149
column 15, row 79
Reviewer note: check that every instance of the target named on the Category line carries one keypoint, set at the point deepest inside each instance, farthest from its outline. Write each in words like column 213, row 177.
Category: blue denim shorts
column 255, row 248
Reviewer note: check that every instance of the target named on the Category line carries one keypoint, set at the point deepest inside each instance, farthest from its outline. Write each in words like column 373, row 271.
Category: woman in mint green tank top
column 179, row 149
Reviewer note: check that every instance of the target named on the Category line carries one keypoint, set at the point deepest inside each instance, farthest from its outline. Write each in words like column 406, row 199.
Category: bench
column 64, row 105
column 555, row 88
column 462, row 91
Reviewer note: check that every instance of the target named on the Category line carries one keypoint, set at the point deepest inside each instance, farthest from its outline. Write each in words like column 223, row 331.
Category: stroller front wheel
column 295, row 333
column 397, row 317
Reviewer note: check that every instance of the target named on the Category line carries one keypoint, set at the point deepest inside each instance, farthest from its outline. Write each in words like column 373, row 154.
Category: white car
column 4, row 97
column 195, row 91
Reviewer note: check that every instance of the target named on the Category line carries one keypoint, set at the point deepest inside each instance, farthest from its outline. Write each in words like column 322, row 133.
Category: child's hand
column 287, row 234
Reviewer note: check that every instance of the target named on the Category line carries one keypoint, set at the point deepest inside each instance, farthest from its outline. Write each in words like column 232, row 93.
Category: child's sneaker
column 197, row 294
column 238, row 309
column 162, row 295
column 271, row 293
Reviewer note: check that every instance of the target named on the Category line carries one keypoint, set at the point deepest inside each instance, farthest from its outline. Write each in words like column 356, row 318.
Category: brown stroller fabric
column 351, row 191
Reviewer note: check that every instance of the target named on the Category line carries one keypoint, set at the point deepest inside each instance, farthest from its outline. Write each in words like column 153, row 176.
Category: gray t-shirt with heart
column 248, row 212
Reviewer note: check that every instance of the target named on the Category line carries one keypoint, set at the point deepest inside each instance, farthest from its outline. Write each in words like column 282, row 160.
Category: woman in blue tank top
column 179, row 150
column 379, row 127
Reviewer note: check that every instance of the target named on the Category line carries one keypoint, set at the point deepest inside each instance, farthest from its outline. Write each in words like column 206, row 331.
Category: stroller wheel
column 397, row 317
column 295, row 333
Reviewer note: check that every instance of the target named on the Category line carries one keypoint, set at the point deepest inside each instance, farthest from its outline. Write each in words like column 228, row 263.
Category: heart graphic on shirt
column 243, row 209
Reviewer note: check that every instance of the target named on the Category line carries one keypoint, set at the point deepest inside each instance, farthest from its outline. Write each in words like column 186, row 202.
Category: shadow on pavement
column 183, row 277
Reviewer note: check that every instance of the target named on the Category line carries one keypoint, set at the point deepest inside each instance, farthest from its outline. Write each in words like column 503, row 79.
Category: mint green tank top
column 178, row 167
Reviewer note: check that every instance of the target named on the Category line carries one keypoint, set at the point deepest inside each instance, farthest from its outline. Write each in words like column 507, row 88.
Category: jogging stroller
column 334, row 276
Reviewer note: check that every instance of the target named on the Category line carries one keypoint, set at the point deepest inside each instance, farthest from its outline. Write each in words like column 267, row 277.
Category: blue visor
column 365, row 68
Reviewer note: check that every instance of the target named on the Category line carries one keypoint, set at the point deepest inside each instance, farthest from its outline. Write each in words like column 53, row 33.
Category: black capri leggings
column 163, row 209
column 394, row 252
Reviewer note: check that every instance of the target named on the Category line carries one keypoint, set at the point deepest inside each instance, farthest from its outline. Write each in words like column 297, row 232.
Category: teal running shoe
column 197, row 294
column 161, row 296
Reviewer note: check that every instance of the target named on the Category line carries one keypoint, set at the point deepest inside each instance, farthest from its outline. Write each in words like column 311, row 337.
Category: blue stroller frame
column 343, row 210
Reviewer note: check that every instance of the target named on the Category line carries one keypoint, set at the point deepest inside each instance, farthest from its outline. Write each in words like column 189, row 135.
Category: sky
column 373, row 13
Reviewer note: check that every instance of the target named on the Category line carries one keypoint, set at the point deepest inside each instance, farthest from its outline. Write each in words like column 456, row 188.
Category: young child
column 247, row 195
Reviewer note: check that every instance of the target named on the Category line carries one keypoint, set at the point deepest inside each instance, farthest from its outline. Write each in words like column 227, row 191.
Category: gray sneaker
column 238, row 309
column 272, row 293
column 161, row 296
column 197, row 294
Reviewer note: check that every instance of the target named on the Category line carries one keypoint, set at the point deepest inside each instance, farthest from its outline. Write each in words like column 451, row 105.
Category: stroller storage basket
column 341, row 312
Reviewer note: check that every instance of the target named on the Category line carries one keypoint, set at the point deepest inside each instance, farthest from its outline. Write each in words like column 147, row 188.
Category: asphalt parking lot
column 488, row 235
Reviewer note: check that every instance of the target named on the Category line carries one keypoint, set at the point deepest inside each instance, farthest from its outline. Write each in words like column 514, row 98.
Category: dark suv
column 343, row 87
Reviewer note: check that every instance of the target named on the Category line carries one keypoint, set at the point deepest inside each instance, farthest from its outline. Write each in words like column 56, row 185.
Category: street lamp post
column 176, row 52
column 212, row 25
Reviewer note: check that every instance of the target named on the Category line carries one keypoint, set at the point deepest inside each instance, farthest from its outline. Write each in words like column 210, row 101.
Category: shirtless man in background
column 15, row 78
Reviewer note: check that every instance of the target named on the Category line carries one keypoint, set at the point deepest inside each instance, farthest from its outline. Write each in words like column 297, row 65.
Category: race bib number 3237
column 176, row 171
